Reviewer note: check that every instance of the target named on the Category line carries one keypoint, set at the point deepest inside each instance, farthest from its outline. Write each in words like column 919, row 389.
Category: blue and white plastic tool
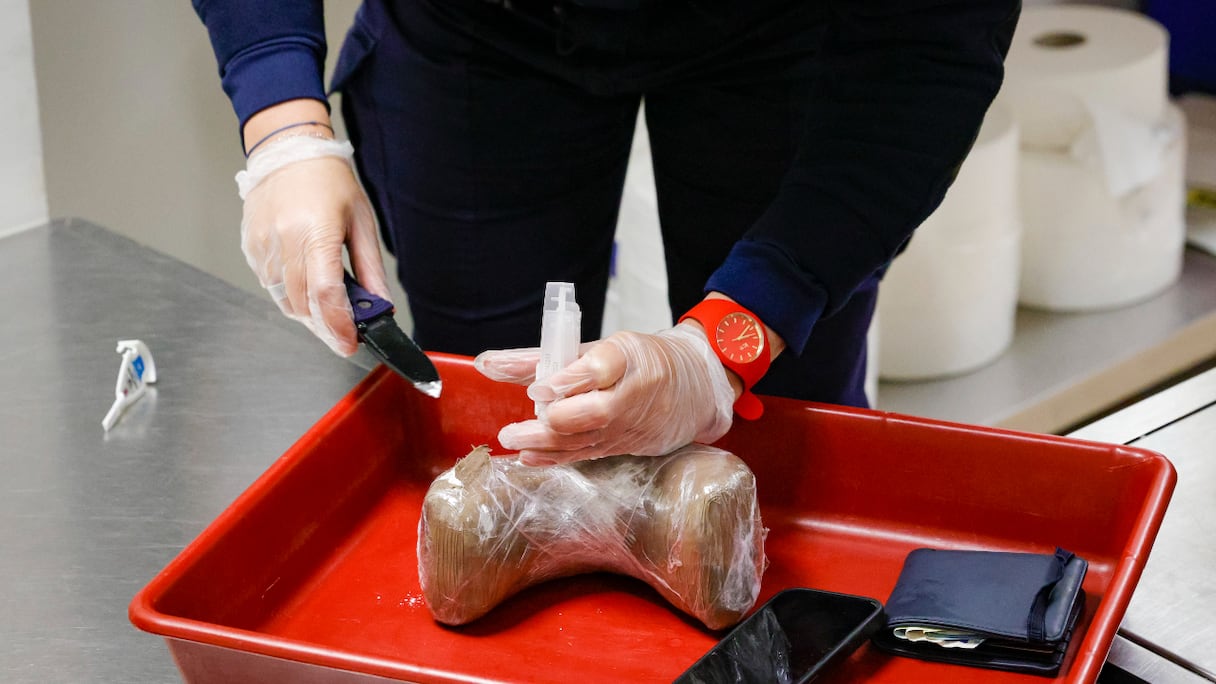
column 559, row 333
column 136, row 372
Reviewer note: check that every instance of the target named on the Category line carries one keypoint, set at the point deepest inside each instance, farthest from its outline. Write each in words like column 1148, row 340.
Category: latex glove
column 627, row 394
column 303, row 203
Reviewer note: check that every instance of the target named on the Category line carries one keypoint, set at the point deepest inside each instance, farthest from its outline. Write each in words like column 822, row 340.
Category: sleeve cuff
column 269, row 76
column 761, row 277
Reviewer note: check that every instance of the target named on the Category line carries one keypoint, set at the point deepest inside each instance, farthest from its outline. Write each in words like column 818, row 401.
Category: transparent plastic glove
column 303, row 203
column 627, row 394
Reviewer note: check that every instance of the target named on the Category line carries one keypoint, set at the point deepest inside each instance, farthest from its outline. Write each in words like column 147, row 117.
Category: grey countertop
column 1166, row 636
column 87, row 518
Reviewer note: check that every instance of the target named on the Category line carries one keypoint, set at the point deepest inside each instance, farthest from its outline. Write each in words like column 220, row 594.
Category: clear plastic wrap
column 688, row 524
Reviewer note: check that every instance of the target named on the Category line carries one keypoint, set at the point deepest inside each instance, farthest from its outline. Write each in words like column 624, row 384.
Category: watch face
column 739, row 337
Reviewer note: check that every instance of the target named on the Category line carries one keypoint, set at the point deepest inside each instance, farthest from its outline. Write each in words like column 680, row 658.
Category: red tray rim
column 1085, row 664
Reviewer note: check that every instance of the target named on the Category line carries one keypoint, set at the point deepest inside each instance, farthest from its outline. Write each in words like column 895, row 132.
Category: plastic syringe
column 559, row 333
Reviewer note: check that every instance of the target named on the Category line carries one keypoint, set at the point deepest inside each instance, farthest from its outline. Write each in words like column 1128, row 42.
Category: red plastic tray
column 311, row 574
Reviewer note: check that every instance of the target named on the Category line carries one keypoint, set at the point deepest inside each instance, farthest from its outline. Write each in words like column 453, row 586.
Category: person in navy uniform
column 796, row 146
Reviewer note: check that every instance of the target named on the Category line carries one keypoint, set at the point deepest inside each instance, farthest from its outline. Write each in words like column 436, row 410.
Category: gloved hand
column 627, row 394
column 302, row 204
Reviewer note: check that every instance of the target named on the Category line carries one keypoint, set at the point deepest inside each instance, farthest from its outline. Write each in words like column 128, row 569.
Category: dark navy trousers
column 493, row 140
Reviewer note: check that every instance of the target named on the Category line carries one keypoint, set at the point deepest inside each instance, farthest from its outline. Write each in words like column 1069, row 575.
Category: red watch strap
column 709, row 313
column 748, row 406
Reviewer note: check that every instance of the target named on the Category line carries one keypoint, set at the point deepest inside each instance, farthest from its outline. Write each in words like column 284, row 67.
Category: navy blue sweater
column 906, row 86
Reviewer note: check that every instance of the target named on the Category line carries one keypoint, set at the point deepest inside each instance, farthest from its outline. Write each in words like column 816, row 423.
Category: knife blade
column 379, row 332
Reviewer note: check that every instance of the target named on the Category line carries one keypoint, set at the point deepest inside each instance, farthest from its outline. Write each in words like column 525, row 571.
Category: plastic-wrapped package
column 688, row 524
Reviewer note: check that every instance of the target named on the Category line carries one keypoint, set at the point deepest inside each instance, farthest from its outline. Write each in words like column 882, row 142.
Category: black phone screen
column 792, row 638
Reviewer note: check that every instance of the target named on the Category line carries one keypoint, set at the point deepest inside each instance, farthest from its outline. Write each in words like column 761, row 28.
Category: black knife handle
column 363, row 303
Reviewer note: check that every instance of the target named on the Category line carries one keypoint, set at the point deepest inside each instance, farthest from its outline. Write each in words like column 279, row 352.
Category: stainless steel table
column 87, row 518
column 1168, row 633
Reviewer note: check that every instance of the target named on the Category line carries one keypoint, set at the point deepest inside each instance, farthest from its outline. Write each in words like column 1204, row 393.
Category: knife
column 378, row 330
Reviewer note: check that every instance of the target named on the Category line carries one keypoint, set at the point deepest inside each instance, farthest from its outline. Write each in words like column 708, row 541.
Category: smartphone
column 793, row 638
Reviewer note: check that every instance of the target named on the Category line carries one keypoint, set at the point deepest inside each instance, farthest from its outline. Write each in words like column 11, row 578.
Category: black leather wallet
column 1023, row 606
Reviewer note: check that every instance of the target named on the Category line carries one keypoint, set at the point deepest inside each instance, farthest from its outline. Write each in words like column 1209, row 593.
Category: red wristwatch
column 737, row 336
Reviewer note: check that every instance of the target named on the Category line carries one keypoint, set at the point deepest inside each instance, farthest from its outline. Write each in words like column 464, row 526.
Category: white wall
column 138, row 135
column 23, row 201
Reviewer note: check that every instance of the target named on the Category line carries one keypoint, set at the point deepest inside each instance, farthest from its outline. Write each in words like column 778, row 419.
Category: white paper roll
column 984, row 194
column 1067, row 62
column 1084, row 249
column 947, row 308
column 948, row 303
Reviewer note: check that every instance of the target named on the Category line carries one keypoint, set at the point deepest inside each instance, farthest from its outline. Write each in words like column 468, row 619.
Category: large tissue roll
column 1086, row 249
column 1066, row 62
column 947, row 305
column 687, row 524
column 983, row 199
